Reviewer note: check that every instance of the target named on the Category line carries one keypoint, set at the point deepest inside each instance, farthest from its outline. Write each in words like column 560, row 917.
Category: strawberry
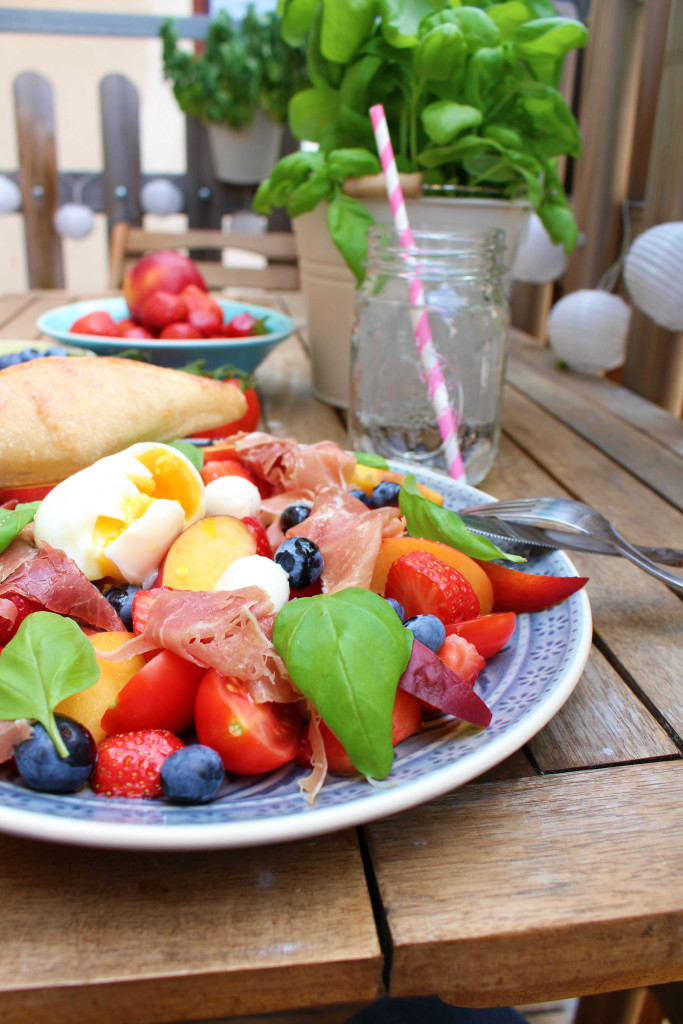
column 462, row 657
column 141, row 602
column 424, row 585
column 260, row 536
column 128, row 763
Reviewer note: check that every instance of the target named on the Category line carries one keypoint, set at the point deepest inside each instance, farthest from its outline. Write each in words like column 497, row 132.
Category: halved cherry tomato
column 488, row 633
column 406, row 720
column 248, row 422
column 251, row 738
column 24, row 494
column 159, row 696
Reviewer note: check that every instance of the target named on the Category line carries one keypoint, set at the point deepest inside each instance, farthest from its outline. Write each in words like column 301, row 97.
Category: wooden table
column 557, row 874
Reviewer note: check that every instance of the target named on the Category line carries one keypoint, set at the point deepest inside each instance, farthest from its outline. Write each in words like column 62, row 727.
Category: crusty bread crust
column 60, row 414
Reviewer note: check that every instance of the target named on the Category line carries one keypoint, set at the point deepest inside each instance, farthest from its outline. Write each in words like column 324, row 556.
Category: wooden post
column 38, row 179
column 654, row 360
column 121, row 179
column 606, row 120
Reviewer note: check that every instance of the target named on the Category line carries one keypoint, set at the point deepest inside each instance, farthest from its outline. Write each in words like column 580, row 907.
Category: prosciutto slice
column 286, row 465
column 349, row 536
column 11, row 734
column 230, row 631
column 14, row 555
column 53, row 580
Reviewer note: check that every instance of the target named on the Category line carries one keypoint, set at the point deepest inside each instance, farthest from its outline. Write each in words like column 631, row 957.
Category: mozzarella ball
column 232, row 496
column 257, row 571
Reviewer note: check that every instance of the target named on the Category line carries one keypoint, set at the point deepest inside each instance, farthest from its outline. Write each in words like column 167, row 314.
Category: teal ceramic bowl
column 242, row 353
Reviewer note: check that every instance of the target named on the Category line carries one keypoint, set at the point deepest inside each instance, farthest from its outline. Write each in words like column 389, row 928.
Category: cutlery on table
column 564, row 523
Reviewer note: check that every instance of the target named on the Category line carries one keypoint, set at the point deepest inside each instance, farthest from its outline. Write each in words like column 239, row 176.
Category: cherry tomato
column 488, row 633
column 159, row 696
column 248, row 422
column 244, row 325
column 228, row 467
column 251, row 738
column 406, row 720
column 25, row 494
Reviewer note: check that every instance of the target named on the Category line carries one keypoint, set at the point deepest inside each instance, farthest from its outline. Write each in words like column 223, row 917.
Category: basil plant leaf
column 346, row 653
column 13, row 521
column 48, row 659
column 430, row 521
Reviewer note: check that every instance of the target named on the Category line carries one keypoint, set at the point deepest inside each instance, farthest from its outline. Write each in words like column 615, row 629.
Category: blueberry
column 293, row 515
column 56, row 350
column 40, row 765
column 192, row 775
column 121, row 600
column 429, row 630
column 10, row 359
column 385, row 493
column 29, row 353
column 398, row 608
column 361, row 495
column 301, row 560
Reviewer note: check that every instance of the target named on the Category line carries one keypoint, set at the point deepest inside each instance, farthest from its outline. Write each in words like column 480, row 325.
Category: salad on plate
column 174, row 617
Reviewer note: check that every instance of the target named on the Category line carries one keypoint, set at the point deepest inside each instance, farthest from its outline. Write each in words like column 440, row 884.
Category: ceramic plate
column 243, row 353
column 524, row 685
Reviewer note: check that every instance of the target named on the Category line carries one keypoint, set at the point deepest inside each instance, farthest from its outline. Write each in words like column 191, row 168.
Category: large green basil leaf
column 443, row 120
column 346, row 653
column 348, row 222
column 48, row 659
column 13, row 521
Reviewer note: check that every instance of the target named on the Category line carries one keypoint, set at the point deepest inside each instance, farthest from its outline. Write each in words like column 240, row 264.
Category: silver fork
column 574, row 515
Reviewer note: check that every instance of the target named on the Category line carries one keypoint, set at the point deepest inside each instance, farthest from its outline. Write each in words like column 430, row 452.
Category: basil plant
column 471, row 96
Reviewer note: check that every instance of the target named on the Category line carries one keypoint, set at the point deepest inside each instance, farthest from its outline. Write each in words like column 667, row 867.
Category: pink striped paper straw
column 436, row 385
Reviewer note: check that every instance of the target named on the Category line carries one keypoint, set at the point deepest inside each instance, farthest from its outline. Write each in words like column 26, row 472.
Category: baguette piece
column 60, row 414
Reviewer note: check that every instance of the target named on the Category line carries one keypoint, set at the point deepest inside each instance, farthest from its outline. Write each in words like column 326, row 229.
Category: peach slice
column 392, row 548
column 200, row 555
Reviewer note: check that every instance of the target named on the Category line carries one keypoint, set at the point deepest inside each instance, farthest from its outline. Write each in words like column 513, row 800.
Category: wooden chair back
column 208, row 249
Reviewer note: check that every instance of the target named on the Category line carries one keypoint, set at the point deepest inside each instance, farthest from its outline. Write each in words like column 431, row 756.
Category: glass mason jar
column 455, row 278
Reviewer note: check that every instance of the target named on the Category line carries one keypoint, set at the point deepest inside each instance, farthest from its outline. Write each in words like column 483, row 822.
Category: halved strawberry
column 128, row 764
column 141, row 604
column 260, row 536
column 424, row 585
column 462, row 656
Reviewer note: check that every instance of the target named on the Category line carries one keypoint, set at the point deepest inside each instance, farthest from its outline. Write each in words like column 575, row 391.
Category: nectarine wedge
column 200, row 555
column 517, row 591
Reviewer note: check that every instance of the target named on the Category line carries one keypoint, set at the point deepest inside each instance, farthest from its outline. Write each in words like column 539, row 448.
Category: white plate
column 524, row 685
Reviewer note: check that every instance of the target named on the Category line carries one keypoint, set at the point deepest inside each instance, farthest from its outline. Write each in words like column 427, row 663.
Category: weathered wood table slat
column 555, row 874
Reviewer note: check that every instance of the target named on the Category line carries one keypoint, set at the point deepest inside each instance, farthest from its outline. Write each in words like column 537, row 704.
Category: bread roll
column 60, row 414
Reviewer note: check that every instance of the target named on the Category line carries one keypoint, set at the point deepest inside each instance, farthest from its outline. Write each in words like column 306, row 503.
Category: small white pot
column 246, row 156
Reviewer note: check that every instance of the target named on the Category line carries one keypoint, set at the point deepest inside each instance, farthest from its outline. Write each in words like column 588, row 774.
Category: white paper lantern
column 161, row 197
column 10, row 195
column 588, row 330
column 653, row 274
column 538, row 260
column 74, row 220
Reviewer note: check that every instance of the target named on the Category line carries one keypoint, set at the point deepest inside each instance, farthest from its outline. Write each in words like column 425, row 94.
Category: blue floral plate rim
column 525, row 685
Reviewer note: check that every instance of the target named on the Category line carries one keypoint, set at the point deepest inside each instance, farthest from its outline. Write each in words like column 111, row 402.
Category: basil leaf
column 346, row 653
column 13, row 521
column 370, row 459
column 48, row 659
column 433, row 522
column 190, row 451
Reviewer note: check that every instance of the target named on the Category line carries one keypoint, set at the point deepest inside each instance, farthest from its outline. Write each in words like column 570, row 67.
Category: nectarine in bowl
column 245, row 353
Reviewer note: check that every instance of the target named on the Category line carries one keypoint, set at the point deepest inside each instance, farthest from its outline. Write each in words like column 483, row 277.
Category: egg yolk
column 171, row 479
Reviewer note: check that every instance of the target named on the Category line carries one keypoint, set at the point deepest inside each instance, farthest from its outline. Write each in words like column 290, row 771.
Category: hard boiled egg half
column 119, row 516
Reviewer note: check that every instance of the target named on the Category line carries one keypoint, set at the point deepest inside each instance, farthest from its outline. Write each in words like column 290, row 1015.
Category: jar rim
column 464, row 242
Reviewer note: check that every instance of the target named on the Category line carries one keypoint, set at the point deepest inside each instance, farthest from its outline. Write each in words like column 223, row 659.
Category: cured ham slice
column 53, row 580
column 286, row 466
column 230, row 631
column 14, row 555
column 349, row 536
column 11, row 734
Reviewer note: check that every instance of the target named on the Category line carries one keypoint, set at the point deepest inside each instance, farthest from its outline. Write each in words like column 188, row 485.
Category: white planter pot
column 329, row 286
column 247, row 156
